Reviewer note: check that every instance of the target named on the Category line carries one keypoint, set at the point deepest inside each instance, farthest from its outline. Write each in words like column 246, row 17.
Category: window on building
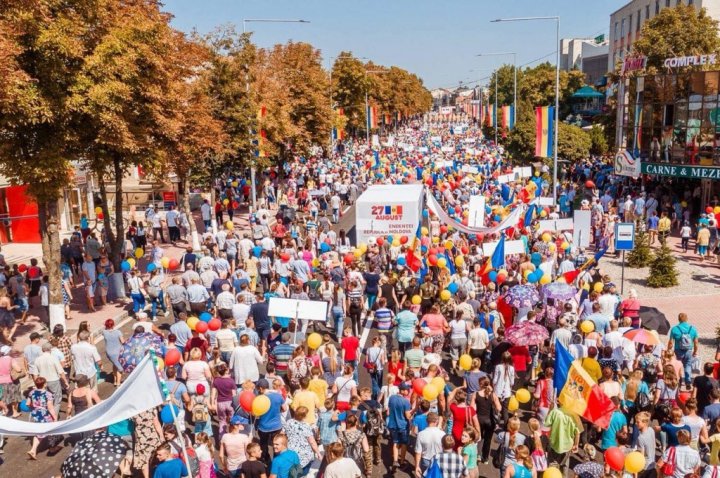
column 657, row 7
column 637, row 22
column 622, row 28
column 647, row 12
column 690, row 2
column 615, row 34
column 667, row 3
column 630, row 24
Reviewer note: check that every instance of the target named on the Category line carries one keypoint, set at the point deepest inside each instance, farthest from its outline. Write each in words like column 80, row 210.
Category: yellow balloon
column 445, row 295
column 98, row 210
column 436, row 240
column 561, row 280
column 316, row 262
column 165, row 262
column 234, row 184
column 598, row 287
column 160, row 363
column 442, row 263
column 543, row 213
column 396, row 243
column 438, row 382
column 314, row 340
column 551, row 247
column 634, row 462
column 683, row 203
column 586, row 286
column 513, row 404
column 424, row 231
column 546, row 279
column 229, row 225
column 357, row 253
column 192, row 322
column 552, row 472
column 466, row 213
column 587, row 326
column 716, row 210
column 522, row 395
column 449, row 244
column 226, row 201
column 363, row 247
column 139, row 252
column 131, row 261
column 260, row 405
column 465, row 362
column 564, row 245
column 502, row 272
column 430, row 392
column 416, row 299
column 459, row 261
column 546, row 237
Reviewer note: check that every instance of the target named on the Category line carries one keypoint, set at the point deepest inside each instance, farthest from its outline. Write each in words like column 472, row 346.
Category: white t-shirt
column 478, row 339
column 344, row 387
column 171, row 218
column 429, row 442
column 85, row 356
column 458, row 329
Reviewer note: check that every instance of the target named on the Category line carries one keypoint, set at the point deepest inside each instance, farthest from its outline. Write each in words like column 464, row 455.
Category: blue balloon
column 492, row 275
column 452, row 287
column 536, row 258
column 425, row 213
column 451, row 211
column 534, row 276
column 125, row 266
column 389, row 239
column 166, row 414
column 257, row 250
column 151, row 267
column 206, row 317
column 324, row 247
column 23, row 406
column 423, row 249
column 401, row 261
column 497, row 218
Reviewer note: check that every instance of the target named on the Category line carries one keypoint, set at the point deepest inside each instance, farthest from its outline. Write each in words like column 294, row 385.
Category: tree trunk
column 49, row 218
column 213, row 221
column 116, row 280
column 185, row 201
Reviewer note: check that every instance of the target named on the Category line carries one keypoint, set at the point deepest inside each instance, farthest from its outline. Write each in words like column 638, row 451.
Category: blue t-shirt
column 270, row 421
column 406, row 322
column 397, row 406
column 653, row 222
column 420, row 421
column 617, row 421
column 671, row 431
column 677, row 332
column 84, row 224
column 122, row 428
column 174, row 468
column 282, row 463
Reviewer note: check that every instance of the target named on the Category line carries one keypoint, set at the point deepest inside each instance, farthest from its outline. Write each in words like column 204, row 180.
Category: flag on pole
column 411, row 259
column 262, row 136
column 544, row 131
column 372, row 117
column 508, row 117
column 498, row 256
column 388, row 119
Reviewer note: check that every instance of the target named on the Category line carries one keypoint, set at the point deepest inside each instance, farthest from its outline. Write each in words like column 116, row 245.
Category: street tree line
column 108, row 85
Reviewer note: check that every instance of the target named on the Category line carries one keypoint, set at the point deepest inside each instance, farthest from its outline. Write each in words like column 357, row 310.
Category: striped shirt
column 280, row 356
column 383, row 319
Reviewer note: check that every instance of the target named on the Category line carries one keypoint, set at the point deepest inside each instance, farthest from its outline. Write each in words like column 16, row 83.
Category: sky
column 436, row 39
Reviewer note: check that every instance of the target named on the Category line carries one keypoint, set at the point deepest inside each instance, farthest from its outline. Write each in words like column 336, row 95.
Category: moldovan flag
column 372, row 117
column 544, row 126
column 508, row 117
column 412, row 261
column 388, row 119
column 580, row 394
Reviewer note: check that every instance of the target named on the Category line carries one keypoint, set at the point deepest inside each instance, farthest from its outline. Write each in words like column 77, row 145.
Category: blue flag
column 563, row 360
column 450, row 264
column 498, row 256
column 505, row 192
column 599, row 254
column 376, row 154
column 529, row 215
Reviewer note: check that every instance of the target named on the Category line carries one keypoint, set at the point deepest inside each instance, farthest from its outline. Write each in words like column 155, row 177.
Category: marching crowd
column 450, row 362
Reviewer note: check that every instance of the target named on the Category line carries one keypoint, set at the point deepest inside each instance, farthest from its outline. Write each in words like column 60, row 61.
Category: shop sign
column 626, row 164
column 690, row 60
column 681, row 171
column 633, row 63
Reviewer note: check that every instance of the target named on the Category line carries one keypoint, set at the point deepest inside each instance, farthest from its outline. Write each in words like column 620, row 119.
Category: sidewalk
column 119, row 310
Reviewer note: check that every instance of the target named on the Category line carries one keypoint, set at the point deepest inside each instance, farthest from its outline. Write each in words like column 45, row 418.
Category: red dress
column 397, row 369
column 462, row 417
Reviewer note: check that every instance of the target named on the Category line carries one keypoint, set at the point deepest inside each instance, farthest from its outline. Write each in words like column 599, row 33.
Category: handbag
column 668, row 468
column 539, row 460
column 371, row 365
column 498, row 458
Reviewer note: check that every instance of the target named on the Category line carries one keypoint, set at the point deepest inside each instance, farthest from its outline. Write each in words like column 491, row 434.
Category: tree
column 349, row 85
column 677, row 31
column 598, row 141
column 573, row 143
column 44, row 44
column 641, row 255
column 663, row 272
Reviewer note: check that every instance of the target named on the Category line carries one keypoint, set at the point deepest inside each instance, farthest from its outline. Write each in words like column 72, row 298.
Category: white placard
column 279, row 307
column 298, row 309
column 375, row 140
column 522, row 172
column 470, row 151
column 449, row 163
column 391, row 141
column 423, row 149
column 506, row 178
column 470, row 169
column 436, row 139
column 511, row 247
column 566, row 224
column 476, row 211
column 545, row 201
column 312, row 309
column 447, row 149
column 469, row 140
column 581, row 229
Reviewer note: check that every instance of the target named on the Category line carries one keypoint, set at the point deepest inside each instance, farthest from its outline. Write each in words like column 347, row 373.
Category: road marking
column 364, row 336
column 346, row 210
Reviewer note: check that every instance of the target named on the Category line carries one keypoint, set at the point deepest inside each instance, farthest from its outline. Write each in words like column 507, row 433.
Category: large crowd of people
column 427, row 347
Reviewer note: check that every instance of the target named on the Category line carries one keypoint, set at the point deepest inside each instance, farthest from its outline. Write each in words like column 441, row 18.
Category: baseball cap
column 263, row 383
column 404, row 386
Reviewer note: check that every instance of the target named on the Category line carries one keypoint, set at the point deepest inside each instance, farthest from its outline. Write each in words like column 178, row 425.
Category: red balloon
column 683, row 396
column 615, row 458
column 464, row 249
column 349, row 258
column 100, row 216
column 201, row 327
column 429, row 182
column 709, row 209
column 403, row 240
column 246, row 400
column 214, row 324
column 418, row 384
column 285, row 257
column 589, row 184
column 432, row 259
column 433, row 250
column 172, row 357
column 235, row 204
column 443, row 228
column 379, row 241
column 465, row 221
column 173, row 264
column 22, row 268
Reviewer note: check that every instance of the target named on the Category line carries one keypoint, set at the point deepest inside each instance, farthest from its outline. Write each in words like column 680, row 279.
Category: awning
column 587, row 92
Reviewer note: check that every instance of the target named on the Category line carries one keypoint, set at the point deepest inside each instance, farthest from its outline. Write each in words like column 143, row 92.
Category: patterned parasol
column 98, row 456
column 526, row 333
column 558, row 291
column 133, row 351
column 522, row 296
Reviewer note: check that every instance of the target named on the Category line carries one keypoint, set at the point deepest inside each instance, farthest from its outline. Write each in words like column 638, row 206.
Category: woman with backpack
column 356, row 445
column 339, row 465
column 508, row 440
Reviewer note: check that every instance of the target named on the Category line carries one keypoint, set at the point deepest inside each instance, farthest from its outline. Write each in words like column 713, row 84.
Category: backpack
column 200, row 412
column 354, row 451
column 374, row 425
column 153, row 290
column 685, row 342
column 295, row 471
column 194, row 464
column 173, row 398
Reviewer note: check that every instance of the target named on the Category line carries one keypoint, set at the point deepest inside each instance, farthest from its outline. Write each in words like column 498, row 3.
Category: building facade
column 586, row 55
column 626, row 23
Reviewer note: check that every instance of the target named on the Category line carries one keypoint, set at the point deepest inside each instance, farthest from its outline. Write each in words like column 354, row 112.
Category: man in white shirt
column 614, row 339
column 226, row 341
column 171, row 218
column 86, row 358
column 206, row 213
column 335, row 204
column 628, row 210
column 608, row 302
column 246, row 246
column 224, row 302
column 428, row 444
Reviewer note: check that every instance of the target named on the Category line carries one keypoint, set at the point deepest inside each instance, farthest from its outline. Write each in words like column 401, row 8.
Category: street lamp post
column 514, row 55
column 557, row 87
column 253, row 189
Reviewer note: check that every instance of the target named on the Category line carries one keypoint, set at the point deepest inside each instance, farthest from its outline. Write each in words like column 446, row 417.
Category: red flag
column 599, row 408
column 570, row 276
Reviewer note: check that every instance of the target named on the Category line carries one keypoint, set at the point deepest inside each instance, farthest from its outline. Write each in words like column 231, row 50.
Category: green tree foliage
column 641, row 255
column 598, row 141
column 663, row 272
column 573, row 143
column 349, row 85
column 677, row 31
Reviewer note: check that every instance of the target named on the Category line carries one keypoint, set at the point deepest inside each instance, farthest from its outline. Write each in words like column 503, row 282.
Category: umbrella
column 642, row 336
column 522, row 296
column 133, row 351
column 98, row 456
column 653, row 319
column 526, row 333
column 558, row 291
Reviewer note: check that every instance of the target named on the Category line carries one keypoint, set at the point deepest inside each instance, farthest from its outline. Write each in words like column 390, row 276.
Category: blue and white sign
column 625, row 236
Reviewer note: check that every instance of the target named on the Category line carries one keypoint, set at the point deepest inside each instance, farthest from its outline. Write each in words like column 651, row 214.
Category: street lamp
column 496, row 84
column 557, row 86
column 253, row 189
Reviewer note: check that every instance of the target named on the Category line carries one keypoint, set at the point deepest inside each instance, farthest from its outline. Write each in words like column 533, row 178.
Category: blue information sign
column 625, row 236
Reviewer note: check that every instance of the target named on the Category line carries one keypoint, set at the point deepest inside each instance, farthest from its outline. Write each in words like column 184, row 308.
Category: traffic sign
column 625, row 236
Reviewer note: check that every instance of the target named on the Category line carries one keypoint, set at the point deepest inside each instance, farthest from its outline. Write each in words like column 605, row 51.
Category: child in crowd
column 205, row 451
